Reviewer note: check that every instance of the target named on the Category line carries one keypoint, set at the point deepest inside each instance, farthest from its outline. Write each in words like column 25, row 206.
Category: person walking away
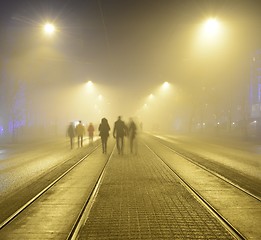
column 119, row 131
column 80, row 132
column 90, row 130
column 71, row 133
column 104, row 129
column 132, row 131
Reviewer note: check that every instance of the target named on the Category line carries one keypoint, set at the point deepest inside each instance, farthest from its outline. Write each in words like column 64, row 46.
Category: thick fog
column 155, row 61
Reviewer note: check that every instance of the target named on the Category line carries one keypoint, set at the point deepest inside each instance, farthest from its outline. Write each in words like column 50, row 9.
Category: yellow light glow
column 211, row 27
column 89, row 84
column 49, row 28
column 165, row 85
column 151, row 96
column 210, row 36
column 100, row 97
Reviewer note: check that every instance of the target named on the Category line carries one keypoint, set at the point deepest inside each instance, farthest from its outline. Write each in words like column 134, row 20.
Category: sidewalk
column 140, row 198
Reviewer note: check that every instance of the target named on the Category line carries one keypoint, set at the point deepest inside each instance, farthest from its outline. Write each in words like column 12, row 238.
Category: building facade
column 255, row 86
column 255, row 95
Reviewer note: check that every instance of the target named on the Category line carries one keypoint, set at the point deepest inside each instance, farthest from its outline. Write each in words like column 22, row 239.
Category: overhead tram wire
column 106, row 36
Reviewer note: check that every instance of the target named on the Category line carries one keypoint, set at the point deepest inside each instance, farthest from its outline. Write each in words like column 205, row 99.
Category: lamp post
column 207, row 45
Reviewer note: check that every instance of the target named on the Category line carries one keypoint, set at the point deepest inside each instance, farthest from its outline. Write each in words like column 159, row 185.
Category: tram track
column 81, row 219
column 233, row 230
column 9, row 220
column 39, row 173
column 214, row 190
column 194, row 161
column 83, row 216
column 83, row 211
column 86, row 209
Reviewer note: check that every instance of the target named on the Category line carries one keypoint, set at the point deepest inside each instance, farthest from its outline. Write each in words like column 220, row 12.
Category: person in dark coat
column 132, row 131
column 104, row 129
column 119, row 131
column 71, row 133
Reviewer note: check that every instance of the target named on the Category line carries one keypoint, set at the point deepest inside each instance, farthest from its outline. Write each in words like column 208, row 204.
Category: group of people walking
column 79, row 131
column 120, row 130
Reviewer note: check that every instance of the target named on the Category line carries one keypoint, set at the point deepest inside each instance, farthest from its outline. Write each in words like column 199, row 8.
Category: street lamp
column 165, row 86
column 49, row 29
column 210, row 32
column 89, row 86
column 151, row 96
column 211, row 27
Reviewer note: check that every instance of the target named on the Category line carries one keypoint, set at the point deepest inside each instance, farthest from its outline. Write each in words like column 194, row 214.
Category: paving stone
column 140, row 198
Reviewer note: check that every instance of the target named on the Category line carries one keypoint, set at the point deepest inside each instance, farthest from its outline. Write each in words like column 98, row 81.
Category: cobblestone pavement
column 140, row 198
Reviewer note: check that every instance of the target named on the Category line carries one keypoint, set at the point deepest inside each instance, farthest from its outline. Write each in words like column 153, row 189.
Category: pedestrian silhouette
column 80, row 131
column 104, row 129
column 132, row 132
column 119, row 131
column 71, row 133
column 90, row 130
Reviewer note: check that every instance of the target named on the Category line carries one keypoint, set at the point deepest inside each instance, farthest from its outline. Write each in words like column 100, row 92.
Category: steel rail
column 28, row 203
column 84, row 213
column 232, row 230
column 212, row 172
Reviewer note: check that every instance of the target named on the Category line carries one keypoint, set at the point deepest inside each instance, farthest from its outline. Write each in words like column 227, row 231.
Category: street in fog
column 239, row 155
column 24, row 166
column 177, row 81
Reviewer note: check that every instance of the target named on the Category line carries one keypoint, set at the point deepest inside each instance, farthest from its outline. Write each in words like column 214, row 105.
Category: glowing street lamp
column 165, row 86
column 49, row 29
column 210, row 37
column 89, row 84
column 211, row 27
column 210, row 31
column 151, row 96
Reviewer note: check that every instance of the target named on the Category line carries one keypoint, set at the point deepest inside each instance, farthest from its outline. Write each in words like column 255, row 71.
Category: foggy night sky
column 131, row 45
